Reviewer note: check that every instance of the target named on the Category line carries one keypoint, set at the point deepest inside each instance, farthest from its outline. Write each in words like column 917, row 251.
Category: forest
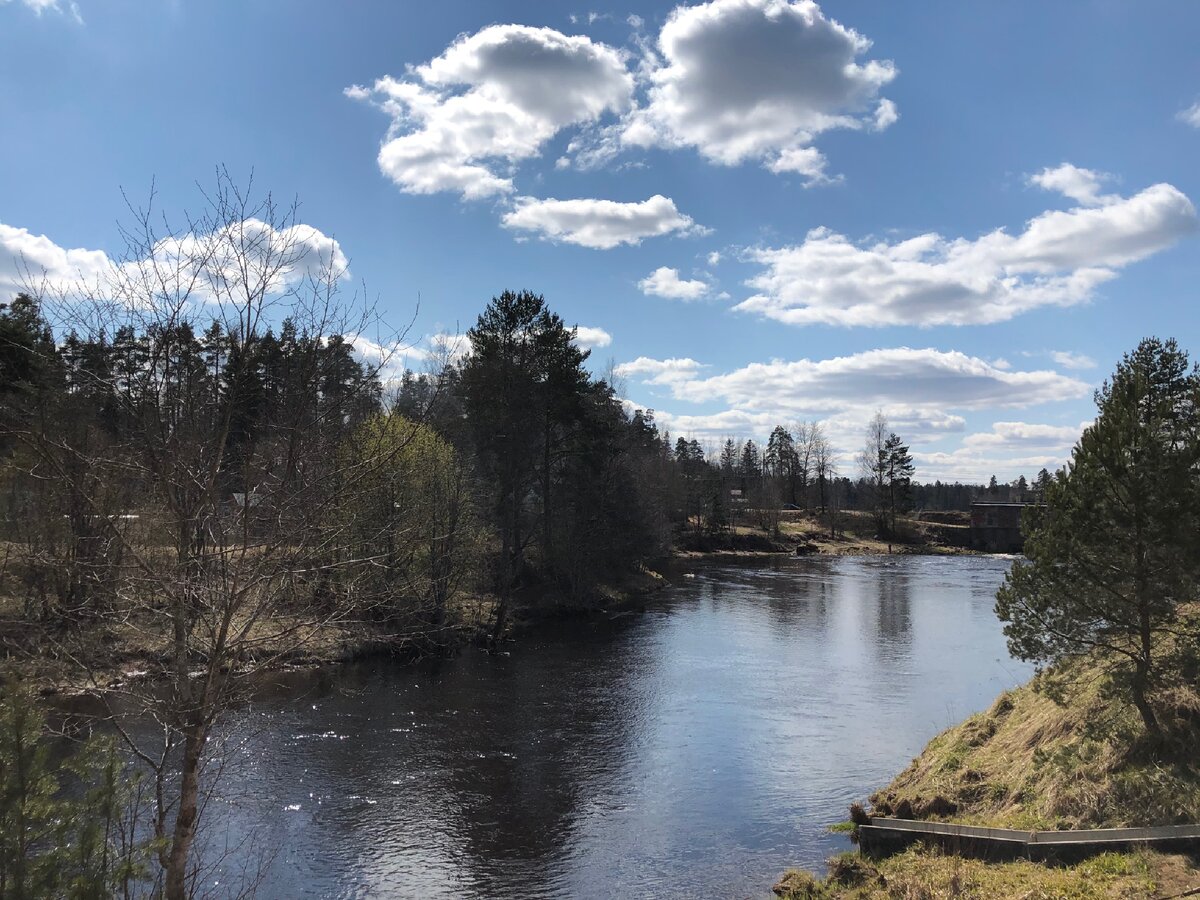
column 202, row 473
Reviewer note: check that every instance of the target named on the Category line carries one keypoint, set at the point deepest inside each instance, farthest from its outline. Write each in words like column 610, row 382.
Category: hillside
column 1034, row 762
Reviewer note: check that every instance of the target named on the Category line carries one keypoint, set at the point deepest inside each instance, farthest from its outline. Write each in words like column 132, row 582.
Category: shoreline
column 1029, row 763
column 335, row 644
column 330, row 645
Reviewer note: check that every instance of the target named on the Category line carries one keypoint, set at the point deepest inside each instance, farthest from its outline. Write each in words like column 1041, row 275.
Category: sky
column 757, row 212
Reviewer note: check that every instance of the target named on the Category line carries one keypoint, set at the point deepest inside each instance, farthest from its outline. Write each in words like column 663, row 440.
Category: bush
column 80, row 844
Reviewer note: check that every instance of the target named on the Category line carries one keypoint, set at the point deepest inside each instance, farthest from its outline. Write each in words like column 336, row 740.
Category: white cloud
column 1026, row 436
column 244, row 253
column 591, row 338
column 28, row 261
column 490, row 100
column 601, row 224
column 635, row 21
column 1058, row 260
column 660, row 371
column 665, row 282
column 713, row 258
column 206, row 266
column 970, row 467
column 886, row 115
column 1071, row 360
column 1191, row 115
column 807, row 161
column 921, row 391
column 1080, row 185
column 1009, row 449
column 758, row 80
column 911, row 378
column 41, row 6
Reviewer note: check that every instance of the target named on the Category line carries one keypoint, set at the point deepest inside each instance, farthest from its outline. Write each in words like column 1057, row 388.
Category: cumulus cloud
column 251, row 252
column 1007, row 450
column 875, row 378
column 1191, row 115
column 1026, row 436
column 886, row 115
column 591, row 338
column 600, row 224
column 660, row 371
column 203, row 265
column 1080, row 185
column 665, row 282
column 758, row 80
column 492, row 99
column 923, row 393
column 1060, row 258
column 28, row 260
column 968, row 466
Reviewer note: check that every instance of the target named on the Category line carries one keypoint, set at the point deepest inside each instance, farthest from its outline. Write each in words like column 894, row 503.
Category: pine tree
column 898, row 474
column 1116, row 550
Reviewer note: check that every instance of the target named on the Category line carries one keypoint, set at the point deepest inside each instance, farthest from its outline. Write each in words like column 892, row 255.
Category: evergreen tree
column 1116, row 550
column 523, row 384
column 898, row 474
column 729, row 457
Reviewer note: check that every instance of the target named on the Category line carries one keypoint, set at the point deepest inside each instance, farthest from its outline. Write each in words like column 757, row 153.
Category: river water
column 696, row 749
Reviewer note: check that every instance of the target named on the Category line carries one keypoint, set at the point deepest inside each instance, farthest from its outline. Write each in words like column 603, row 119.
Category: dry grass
column 856, row 535
column 1032, row 763
column 924, row 874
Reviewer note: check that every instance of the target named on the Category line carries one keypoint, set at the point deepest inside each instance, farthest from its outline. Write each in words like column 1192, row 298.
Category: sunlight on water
column 697, row 749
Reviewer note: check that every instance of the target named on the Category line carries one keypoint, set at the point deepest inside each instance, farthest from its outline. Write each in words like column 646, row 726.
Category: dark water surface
column 697, row 749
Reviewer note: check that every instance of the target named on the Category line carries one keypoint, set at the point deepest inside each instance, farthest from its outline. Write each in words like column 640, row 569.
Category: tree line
column 198, row 464
column 197, row 461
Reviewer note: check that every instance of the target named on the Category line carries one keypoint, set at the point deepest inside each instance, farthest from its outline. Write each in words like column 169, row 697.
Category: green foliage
column 1115, row 553
column 567, row 474
column 78, row 844
column 31, row 829
column 414, row 525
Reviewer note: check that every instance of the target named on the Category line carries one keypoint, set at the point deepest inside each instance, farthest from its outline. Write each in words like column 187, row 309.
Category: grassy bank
column 118, row 651
column 806, row 532
column 923, row 874
column 1037, row 763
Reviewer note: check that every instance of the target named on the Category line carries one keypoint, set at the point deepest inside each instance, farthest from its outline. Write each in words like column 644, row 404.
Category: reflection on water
column 696, row 750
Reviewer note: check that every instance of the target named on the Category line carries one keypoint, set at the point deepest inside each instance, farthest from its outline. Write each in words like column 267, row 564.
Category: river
column 695, row 749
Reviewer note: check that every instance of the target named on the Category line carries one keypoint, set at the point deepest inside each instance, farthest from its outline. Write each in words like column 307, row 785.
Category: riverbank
column 1031, row 762
column 802, row 533
column 117, row 653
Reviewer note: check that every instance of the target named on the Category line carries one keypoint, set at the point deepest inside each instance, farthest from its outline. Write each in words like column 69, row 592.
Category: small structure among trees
column 996, row 526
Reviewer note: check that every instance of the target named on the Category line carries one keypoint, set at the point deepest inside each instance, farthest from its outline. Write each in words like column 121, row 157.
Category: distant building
column 996, row 527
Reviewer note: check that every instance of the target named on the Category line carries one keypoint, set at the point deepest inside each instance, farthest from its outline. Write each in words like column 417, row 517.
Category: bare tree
column 232, row 552
column 806, row 433
column 825, row 467
column 872, row 468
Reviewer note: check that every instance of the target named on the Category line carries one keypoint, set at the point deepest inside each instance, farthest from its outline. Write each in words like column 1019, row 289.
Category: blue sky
column 758, row 211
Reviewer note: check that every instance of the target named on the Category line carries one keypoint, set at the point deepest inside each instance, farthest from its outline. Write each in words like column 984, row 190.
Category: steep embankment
column 1031, row 762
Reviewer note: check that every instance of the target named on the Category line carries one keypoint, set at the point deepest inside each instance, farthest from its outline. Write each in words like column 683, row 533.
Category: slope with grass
column 1057, row 753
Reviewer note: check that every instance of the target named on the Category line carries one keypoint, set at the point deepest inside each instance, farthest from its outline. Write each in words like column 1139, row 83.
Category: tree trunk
column 1138, row 690
column 547, row 551
column 1141, row 675
column 186, row 817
